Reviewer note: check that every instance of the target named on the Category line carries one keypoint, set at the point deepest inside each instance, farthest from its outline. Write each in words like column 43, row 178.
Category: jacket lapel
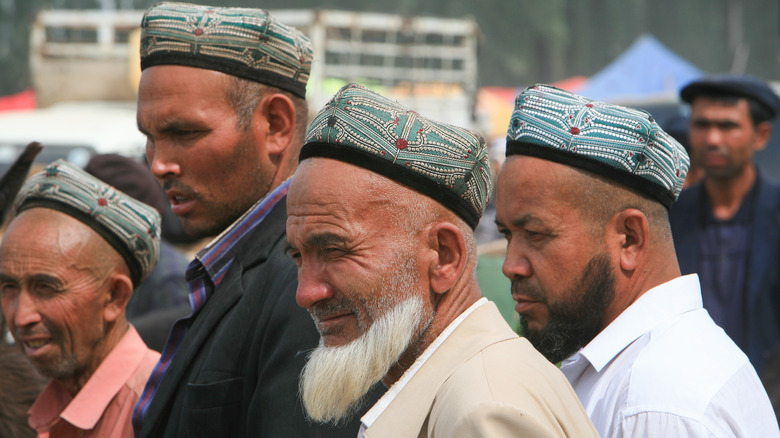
column 252, row 250
column 408, row 412
column 763, row 241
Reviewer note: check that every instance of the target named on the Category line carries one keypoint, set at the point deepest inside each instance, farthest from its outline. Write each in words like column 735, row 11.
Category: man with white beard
column 381, row 213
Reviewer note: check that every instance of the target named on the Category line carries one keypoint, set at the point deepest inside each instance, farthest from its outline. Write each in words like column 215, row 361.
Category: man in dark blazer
column 727, row 227
column 221, row 101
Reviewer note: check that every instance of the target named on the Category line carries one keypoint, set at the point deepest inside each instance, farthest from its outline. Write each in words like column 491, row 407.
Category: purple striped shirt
column 204, row 275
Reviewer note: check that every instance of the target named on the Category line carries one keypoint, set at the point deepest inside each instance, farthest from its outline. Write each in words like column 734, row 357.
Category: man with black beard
column 583, row 201
column 381, row 218
column 573, row 322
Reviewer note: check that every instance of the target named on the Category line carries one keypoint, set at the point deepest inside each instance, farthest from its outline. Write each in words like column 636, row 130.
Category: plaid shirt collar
column 217, row 256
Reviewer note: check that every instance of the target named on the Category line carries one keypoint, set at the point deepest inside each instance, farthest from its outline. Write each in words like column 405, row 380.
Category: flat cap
column 624, row 144
column 243, row 42
column 447, row 163
column 131, row 227
column 739, row 86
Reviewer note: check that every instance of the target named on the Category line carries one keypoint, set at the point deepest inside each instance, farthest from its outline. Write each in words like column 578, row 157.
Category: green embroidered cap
column 623, row 144
column 445, row 162
column 130, row 226
column 243, row 42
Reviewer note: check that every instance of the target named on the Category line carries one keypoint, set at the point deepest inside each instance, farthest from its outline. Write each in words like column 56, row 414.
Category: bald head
column 79, row 245
column 63, row 290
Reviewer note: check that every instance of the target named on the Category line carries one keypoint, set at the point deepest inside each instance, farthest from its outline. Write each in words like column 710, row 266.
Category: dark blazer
column 236, row 371
column 762, row 318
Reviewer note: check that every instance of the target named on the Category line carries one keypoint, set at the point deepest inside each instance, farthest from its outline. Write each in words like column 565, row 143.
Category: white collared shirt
column 382, row 404
column 663, row 368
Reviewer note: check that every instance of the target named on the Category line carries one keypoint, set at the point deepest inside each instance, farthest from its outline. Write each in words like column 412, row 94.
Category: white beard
column 335, row 379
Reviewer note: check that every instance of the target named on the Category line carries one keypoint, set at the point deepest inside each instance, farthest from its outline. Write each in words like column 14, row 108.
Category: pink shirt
column 104, row 406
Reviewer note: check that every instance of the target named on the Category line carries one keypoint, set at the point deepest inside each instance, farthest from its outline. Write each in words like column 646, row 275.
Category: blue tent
column 646, row 71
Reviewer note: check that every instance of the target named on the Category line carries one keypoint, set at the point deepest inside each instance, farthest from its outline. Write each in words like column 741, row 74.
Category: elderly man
column 221, row 102
column 381, row 217
column 727, row 228
column 68, row 264
column 583, row 201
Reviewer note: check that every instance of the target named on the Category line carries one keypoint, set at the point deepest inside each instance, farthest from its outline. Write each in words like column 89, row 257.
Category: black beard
column 572, row 324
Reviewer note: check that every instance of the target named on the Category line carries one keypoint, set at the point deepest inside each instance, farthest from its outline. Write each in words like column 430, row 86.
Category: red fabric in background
column 19, row 101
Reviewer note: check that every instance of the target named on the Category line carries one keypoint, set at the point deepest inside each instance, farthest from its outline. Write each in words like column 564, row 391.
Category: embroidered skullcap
column 130, row 226
column 131, row 177
column 445, row 162
column 739, row 86
column 243, row 42
column 624, row 144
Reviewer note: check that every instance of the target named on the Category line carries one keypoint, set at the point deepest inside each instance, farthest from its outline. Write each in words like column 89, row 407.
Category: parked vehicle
column 75, row 131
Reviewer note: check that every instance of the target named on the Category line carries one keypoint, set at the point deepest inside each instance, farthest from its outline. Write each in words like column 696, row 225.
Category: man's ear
column 632, row 231
column 276, row 123
column 450, row 256
column 763, row 132
column 120, row 288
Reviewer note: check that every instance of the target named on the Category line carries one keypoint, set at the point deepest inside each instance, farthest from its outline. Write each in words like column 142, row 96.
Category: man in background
column 69, row 261
column 678, row 126
column 583, row 201
column 727, row 227
column 221, row 101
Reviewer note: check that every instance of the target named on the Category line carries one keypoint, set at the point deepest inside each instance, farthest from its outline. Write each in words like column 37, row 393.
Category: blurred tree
column 523, row 42
column 15, row 19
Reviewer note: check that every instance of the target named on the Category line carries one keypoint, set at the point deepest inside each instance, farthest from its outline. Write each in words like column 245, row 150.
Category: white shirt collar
column 658, row 304
column 376, row 411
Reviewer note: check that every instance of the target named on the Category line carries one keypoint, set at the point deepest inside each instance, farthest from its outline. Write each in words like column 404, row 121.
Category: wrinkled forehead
column 331, row 192
column 40, row 228
column 534, row 186
column 342, row 184
column 43, row 220
column 520, row 173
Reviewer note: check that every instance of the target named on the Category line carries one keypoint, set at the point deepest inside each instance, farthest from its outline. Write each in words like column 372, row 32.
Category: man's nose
column 162, row 161
column 312, row 287
column 713, row 136
column 516, row 264
column 25, row 310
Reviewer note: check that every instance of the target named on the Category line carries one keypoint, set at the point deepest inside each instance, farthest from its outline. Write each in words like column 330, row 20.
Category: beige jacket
column 484, row 381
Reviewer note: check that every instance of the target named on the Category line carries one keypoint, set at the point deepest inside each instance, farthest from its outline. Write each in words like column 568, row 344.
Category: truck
column 85, row 69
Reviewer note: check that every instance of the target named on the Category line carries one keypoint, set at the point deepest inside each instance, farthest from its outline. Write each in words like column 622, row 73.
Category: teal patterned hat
column 243, row 42
column 445, row 162
column 131, row 227
column 620, row 143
